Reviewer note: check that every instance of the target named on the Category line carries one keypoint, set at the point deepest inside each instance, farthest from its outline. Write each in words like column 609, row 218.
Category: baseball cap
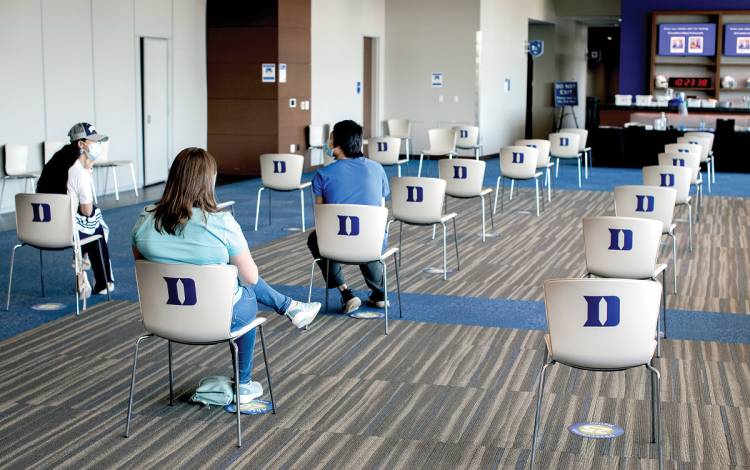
column 84, row 130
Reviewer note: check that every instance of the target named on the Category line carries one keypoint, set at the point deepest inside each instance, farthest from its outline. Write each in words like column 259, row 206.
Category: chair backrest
column 317, row 135
column 16, row 159
column 350, row 233
column 705, row 143
column 442, row 140
column 400, row 128
column 675, row 177
column 384, row 150
column 104, row 156
column 647, row 202
column 703, row 135
column 624, row 247
column 540, row 144
column 51, row 147
column 583, row 135
column 464, row 177
column 467, row 136
column 417, row 200
column 281, row 171
column 518, row 162
column 45, row 220
column 564, row 144
column 186, row 302
column 602, row 323
column 683, row 147
column 688, row 160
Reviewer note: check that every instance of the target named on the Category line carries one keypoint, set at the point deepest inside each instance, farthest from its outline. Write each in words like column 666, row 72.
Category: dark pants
column 372, row 272
column 102, row 275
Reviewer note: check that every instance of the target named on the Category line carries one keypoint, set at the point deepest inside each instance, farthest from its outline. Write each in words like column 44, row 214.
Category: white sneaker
column 86, row 285
column 111, row 286
column 249, row 392
column 302, row 313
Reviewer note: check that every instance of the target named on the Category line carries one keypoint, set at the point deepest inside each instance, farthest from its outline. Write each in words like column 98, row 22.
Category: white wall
column 338, row 28
column 427, row 36
column 80, row 62
column 504, row 26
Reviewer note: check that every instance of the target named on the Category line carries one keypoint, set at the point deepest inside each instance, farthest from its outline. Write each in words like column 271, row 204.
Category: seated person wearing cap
column 351, row 179
column 69, row 171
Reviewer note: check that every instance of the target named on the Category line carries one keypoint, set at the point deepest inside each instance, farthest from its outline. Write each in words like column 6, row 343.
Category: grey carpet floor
column 426, row 396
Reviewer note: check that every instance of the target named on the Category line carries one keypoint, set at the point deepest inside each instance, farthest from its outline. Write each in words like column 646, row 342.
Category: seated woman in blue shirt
column 186, row 227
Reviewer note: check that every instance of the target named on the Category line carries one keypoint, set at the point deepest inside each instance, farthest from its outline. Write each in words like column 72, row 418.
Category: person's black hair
column 54, row 177
column 347, row 135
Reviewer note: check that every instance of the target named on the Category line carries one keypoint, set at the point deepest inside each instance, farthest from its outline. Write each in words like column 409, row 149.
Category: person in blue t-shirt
column 185, row 227
column 351, row 179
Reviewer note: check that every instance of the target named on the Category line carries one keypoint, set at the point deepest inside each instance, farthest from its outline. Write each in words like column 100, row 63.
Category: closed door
column 154, row 86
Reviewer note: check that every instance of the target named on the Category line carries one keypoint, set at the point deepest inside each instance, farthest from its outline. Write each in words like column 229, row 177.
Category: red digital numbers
column 690, row 82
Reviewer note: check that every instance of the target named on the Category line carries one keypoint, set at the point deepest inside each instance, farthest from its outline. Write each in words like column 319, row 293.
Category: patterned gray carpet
column 427, row 396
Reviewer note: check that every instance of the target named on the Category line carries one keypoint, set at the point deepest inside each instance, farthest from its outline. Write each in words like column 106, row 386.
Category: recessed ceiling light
column 609, row 38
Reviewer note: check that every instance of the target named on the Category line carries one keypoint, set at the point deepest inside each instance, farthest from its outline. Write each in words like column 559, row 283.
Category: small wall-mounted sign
column 436, row 79
column 282, row 73
column 292, row 102
column 359, row 87
column 268, row 73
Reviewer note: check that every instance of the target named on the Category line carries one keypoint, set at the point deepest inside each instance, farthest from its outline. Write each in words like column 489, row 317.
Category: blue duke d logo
column 348, row 225
column 627, row 239
column 40, row 212
column 644, row 203
column 279, row 166
column 414, row 194
column 190, row 296
column 612, row 306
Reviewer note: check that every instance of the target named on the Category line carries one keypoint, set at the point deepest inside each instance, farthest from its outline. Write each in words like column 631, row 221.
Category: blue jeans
column 245, row 311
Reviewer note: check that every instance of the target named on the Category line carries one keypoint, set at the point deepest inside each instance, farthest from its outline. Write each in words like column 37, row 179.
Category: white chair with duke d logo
column 565, row 145
column 583, row 137
column 650, row 202
column 464, row 180
column 543, row 163
column 604, row 325
column 51, row 147
column 518, row 163
column 103, row 161
column 17, row 167
column 678, row 178
column 688, row 160
column 627, row 248
column 706, row 141
column 385, row 150
column 354, row 234
column 47, row 222
column 282, row 172
column 419, row 201
column 193, row 305
column 467, row 138
column 442, row 143
column 401, row 129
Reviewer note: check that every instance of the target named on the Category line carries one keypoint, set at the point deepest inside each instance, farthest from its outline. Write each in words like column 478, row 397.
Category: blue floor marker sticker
column 48, row 307
column 255, row 407
column 596, row 430
column 367, row 315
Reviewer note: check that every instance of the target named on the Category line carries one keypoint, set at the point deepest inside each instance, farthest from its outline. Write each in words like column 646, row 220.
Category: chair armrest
column 659, row 269
column 305, row 185
column 485, row 191
column 226, row 205
column 249, row 327
column 87, row 240
column 388, row 253
column 447, row 217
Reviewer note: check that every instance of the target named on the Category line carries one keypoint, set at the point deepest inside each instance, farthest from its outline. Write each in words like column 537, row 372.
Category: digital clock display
column 690, row 82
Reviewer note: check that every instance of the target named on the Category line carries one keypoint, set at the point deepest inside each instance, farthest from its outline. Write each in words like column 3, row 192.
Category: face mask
column 94, row 150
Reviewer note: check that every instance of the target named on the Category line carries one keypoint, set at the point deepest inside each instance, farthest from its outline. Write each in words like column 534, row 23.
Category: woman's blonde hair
column 190, row 185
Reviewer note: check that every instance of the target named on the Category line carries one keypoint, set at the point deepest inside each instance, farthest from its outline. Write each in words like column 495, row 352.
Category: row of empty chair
column 18, row 166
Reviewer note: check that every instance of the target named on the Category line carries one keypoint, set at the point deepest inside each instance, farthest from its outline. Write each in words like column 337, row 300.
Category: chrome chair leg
column 483, row 219
column 419, row 170
column 512, row 186
column 536, row 188
column 325, row 287
column 397, row 263
column 655, row 411
column 690, row 226
column 578, row 160
column 269, row 206
column 268, row 371
column 664, row 300
column 257, row 207
column 455, row 242
column 135, row 183
column 540, row 394
column 132, row 381
column 557, row 167
column 400, row 236
column 674, row 260
column 171, row 375
column 41, row 271
column 10, row 275
column 497, row 193
column 104, row 268
column 385, row 290
column 302, row 206
column 236, row 362
column 445, row 252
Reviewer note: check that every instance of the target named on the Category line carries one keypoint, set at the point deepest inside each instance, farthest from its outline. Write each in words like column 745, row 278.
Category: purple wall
column 635, row 32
